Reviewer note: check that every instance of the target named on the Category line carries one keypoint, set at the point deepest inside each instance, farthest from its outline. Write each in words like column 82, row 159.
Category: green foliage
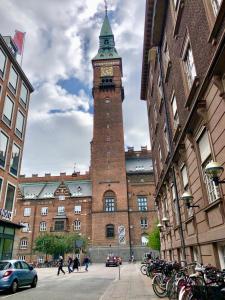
column 154, row 238
column 57, row 244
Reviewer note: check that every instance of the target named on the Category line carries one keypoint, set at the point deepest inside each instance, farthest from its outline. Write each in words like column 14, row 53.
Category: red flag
column 19, row 40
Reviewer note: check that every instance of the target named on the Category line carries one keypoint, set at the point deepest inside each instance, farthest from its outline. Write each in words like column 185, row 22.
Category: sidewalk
column 132, row 285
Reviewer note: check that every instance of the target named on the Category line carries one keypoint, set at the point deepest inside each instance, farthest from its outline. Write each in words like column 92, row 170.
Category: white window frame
column 77, row 209
column 12, row 89
column 61, row 211
column 7, row 147
column 77, row 225
column 4, row 117
column 166, row 138
column 27, row 211
column 62, row 197
column 24, row 104
column 144, row 223
column 212, row 190
column 2, row 72
column 22, row 257
column 17, row 131
column 15, row 191
column 23, row 244
column 189, row 63
column 18, row 170
column 144, row 243
column 44, row 211
column 43, row 226
column 216, row 5
column 176, row 120
column 26, row 228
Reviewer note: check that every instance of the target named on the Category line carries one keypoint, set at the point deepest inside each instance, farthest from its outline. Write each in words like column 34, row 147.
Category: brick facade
column 183, row 84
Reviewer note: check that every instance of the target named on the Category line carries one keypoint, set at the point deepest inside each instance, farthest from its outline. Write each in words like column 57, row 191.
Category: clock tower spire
column 109, row 191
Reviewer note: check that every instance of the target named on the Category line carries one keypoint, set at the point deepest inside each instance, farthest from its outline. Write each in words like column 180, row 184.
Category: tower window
column 110, row 231
column 109, row 201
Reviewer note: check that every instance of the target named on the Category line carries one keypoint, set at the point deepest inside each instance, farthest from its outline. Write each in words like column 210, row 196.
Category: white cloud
column 61, row 39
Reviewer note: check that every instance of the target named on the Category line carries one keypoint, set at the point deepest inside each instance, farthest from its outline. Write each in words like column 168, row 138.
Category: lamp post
column 214, row 170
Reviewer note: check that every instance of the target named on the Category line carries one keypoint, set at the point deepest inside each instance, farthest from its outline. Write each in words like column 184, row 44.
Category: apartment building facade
column 15, row 90
column 183, row 83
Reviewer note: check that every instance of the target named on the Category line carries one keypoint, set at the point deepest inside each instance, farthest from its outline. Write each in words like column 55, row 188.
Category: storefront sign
column 5, row 214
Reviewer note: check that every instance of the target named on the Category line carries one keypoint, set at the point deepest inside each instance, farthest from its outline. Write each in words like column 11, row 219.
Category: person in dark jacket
column 60, row 265
column 70, row 263
column 86, row 262
column 76, row 264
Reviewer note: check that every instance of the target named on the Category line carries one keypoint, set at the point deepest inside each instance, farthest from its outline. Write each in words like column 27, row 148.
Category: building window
column 189, row 66
column 61, row 211
column 206, row 157
column 20, row 124
column 216, row 6
column 44, row 211
column 175, row 204
column 77, row 209
column 27, row 212
column 3, row 148
column 175, row 112
column 144, row 223
column 40, row 259
column 61, row 197
column 2, row 62
column 166, row 139
column 23, row 244
column 110, row 231
column 22, row 257
column 77, row 225
column 13, row 79
column 8, row 111
column 166, row 57
column 9, row 201
column 184, row 177
column 15, row 159
column 59, row 225
column 23, row 95
column 26, row 227
column 160, row 157
column 142, row 203
column 43, row 226
column 160, row 88
column 221, row 250
column 109, row 204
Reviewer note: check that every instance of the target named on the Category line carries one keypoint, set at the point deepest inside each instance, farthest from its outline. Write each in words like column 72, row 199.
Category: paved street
column 98, row 283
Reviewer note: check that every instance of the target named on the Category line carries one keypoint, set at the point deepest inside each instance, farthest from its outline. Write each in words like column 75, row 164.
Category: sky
column 61, row 39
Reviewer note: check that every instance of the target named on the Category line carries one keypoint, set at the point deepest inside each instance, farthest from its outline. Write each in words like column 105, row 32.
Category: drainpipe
column 170, row 138
column 129, row 229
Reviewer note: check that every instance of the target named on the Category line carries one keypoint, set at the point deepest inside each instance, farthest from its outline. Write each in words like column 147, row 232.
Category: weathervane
column 106, row 7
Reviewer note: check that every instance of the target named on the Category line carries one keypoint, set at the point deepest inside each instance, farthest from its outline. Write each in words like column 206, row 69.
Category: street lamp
column 214, row 170
column 160, row 226
column 188, row 198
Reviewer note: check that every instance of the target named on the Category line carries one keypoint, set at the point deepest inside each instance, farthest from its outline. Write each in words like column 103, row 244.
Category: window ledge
column 176, row 132
column 212, row 205
column 192, row 92
column 190, row 219
column 217, row 24
column 178, row 17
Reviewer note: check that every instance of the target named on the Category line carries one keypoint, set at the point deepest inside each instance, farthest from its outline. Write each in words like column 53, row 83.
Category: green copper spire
column 107, row 48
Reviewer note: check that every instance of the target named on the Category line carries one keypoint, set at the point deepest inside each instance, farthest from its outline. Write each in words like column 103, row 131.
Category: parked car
column 15, row 274
column 113, row 261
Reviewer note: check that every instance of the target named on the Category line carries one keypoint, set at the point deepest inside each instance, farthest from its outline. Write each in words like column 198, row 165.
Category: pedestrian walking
column 76, row 263
column 70, row 263
column 60, row 266
column 86, row 262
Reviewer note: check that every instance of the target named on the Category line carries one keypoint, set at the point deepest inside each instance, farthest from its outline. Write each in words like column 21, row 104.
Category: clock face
column 106, row 71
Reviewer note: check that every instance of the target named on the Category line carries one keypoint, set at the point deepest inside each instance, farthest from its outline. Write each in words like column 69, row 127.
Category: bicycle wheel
column 171, row 289
column 143, row 269
column 159, row 286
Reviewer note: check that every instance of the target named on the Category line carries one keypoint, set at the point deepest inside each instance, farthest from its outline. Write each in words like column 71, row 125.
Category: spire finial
column 106, row 7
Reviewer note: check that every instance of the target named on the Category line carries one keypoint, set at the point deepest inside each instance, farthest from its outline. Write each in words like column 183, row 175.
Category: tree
column 57, row 244
column 154, row 238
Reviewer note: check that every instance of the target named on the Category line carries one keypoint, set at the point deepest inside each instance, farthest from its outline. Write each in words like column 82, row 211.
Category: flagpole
column 22, row 50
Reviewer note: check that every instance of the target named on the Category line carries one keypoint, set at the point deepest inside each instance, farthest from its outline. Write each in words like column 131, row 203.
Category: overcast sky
column 61, row 40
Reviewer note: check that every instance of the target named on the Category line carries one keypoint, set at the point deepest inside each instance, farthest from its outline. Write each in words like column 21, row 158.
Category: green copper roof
column 106, row 27
column 107, row 48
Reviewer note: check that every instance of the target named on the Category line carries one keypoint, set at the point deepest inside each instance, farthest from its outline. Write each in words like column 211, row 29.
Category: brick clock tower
column 110, row 232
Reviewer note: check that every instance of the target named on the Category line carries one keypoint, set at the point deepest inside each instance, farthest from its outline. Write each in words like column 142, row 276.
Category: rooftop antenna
column 106, row 7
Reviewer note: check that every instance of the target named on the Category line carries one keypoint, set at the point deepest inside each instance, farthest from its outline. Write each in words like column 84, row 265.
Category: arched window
column 109, row 201
column 110, row 231
column 23, row 243
column 77, row 225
